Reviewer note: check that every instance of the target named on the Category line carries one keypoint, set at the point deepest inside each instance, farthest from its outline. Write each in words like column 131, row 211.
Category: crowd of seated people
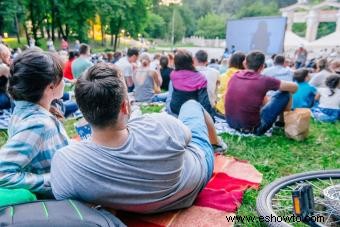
column 152, row 163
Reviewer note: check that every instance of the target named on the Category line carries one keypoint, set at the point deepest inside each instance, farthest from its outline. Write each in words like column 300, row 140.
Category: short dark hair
column 236, row 60
column 201, row 56
column 322, row 63
column 332, row 82
column 279, row 60
column 255, row 60
column 99, row 94
column 31, row 72
column 300, row 75
column 83, row 48
column 164, row 61
column 72, row 54
column 132, row 51
column 184, row 61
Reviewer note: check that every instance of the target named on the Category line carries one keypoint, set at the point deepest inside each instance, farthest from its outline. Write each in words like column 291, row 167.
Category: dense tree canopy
column 151, row 18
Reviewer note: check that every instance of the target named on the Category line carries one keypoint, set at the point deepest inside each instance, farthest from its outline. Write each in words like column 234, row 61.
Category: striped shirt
column 34, row 136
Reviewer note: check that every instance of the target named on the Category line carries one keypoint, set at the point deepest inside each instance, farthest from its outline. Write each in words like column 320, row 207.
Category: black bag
column 56, row 213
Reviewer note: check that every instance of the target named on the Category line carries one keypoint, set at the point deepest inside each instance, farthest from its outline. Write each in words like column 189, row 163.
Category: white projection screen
column 257, row 33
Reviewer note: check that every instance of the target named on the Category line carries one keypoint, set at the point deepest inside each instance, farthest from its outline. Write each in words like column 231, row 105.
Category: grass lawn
column 279, row 156
column 274, row 156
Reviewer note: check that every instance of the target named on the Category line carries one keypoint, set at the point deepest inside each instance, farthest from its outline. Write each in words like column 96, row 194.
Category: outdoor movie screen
column 257, row 33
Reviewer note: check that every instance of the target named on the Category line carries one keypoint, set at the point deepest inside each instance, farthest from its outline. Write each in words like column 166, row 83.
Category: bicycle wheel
column 276, row 198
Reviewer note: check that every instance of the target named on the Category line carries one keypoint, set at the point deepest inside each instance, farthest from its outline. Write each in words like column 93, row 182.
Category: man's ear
column 245, row 64
column 125, row 107
column 261, row 68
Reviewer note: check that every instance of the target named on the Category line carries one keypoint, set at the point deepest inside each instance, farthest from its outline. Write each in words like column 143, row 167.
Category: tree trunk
column 48, row 30
column 2, row 25
column 117, row 33
column 111, row 43
column 26, row 33
column 116, row 41
column 61, row 30
column 34, row 27
column 42, row 31
column 67, row 30
column 102, row 31
column 17, row 28
column 93, row 22
column 53, row 20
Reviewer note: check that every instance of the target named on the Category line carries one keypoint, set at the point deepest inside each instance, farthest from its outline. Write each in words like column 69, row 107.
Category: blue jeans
column 191, row 114
column 325, row 114
column 160, row 97
column 70, row 107
column 272, row 110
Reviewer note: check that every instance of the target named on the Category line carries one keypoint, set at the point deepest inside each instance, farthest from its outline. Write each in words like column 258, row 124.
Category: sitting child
column 305, row 95
column 328, row 109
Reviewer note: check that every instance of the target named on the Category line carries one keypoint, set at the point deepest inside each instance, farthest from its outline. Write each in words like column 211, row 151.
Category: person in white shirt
column 211, row 74
column 328, row 109
column 155, row 62
column 278, row 70
column 319, row 79
column 125, row 65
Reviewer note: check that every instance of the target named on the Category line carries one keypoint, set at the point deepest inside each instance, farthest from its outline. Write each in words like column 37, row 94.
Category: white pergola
column 327, row 11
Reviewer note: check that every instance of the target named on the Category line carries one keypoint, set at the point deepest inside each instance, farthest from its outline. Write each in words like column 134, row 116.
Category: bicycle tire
column 263, row 201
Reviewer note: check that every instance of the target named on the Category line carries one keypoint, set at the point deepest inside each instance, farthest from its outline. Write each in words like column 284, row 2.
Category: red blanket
column 220, row 198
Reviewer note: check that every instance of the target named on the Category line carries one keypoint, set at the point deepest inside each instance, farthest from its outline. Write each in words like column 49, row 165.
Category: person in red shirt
column 246, row 94
column 72, row 55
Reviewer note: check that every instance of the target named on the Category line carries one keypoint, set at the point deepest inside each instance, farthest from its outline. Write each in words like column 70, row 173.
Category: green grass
column 151, row 108
column 278, row 156
column 274, row 156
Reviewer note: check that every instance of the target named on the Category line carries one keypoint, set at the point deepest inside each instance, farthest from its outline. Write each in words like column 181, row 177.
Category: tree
column 258, row 8
column 179, row 25
column 211, row 26
column 155, row 26
column 132, row 16
column 10, row 14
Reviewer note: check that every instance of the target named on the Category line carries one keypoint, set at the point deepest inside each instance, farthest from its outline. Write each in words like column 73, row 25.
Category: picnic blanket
column 220, row 198
column 222, row 127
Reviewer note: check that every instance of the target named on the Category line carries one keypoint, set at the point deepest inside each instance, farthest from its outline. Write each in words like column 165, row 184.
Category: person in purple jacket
column 188, row 84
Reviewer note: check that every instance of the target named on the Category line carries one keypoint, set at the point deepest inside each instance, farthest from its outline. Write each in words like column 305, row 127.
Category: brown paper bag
column 297, row 123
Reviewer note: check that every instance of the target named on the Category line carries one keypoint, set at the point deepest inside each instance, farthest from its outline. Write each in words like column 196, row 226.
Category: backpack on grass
column 56, row 213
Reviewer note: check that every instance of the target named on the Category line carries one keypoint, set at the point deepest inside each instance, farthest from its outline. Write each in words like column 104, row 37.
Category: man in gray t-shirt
column 149, row 164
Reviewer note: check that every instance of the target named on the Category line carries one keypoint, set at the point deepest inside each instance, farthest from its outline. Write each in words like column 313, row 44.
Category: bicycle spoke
column 329, row 216
column 322, row 184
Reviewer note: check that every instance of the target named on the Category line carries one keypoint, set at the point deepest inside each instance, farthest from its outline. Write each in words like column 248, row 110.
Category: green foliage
column 258, row 8
column 299, row 29
column 8, row 10
column 211, row 26
column 189, row 20
column 179, row 27
column 325, row 28
column 73, row 17
column 156, row 26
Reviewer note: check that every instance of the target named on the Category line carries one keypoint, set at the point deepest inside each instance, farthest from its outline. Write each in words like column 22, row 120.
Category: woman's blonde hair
column 145, row 59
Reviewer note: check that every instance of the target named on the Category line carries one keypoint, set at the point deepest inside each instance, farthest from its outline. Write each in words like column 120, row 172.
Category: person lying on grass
column 149, row 164
column 34, row 134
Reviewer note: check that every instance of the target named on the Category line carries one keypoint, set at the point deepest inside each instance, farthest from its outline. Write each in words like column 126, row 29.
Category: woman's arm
column 16, row 158
column 157, row 79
